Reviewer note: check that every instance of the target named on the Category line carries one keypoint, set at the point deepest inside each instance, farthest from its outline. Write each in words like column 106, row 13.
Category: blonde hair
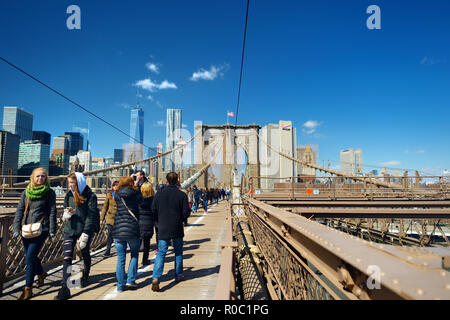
column 77, row 197
column 147, row 190
column 32, row 184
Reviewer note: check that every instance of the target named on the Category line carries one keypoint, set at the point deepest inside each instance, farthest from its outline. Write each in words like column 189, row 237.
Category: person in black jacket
column 82, row 219
column 146, row 223
column 126, row 231
column 170, row 208
column 38, row 204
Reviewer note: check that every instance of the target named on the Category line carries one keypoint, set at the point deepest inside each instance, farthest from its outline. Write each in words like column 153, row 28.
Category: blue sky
column 313, row 62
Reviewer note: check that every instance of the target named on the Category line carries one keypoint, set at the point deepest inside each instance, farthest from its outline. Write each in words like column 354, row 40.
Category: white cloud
column 167, row 85
column 125, row 105
column 81, row 130
column 210, row 74
column 431, row 61
column 150, row 98
column 390, row 163
column 420, row 151
column 149, row 85
column 310, row 126
column 159, row 123
column 184, row 125
column 152, row 67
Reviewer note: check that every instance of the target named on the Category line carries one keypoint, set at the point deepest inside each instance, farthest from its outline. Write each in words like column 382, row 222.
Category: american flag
column 230, row 114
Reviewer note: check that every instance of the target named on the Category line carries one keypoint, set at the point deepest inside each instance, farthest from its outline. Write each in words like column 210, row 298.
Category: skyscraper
column 173, row 133
column 307, row 155
column 75, row 142
column 283, row 137
column 351, row 161
column 18, row 121
column 9, row 153
column 42, row 136
column 32, row 154
column 137, row 125
column 60, row 155
column 118, row 155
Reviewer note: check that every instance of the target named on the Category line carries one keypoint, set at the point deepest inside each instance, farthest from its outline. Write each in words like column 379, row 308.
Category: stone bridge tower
column 241, row 138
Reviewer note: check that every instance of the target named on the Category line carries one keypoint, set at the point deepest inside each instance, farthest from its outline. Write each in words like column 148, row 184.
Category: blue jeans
column 163, row 245
column 121, row 248
column 32, row 247
column 205, row 205
column 195, row 205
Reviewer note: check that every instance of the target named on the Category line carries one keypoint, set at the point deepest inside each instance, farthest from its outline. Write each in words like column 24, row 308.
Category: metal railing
column 334, row 187
column 225, row 285
column 307, row 260
column 12, row 256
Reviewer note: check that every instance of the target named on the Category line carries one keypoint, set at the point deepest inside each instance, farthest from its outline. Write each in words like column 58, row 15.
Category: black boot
column 63, row 294
column 85, row 279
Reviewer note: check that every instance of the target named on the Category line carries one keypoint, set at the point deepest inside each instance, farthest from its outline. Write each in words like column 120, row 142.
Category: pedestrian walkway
column 201, row 260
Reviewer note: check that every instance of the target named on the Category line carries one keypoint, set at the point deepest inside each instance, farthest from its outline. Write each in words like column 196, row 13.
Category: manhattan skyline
column 343, row 86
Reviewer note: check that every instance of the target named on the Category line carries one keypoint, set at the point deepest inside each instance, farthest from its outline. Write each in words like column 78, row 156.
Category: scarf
column 36, row 192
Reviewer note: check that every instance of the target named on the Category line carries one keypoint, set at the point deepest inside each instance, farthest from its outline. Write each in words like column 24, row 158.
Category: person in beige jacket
column 108, row 213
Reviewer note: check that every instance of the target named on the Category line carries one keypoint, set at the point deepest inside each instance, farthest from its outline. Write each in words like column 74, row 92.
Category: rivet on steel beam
column 382, row 273
column 419, row 292
column 409, row 258
column 338, row 249
column 395, row 281
column 443, row 273
column 358, row 260
column 425, row 264
column 447, row 286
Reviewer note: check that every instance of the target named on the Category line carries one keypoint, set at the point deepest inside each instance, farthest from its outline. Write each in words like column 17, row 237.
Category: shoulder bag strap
column 132, row 214
column 26, row 211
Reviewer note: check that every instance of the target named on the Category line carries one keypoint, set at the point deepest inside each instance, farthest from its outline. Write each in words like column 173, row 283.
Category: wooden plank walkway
column 201, row 261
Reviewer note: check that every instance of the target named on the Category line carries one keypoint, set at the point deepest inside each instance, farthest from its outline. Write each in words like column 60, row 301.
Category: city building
column 307, row 155
column 173, row 134
column 85, row 159
column 60, row 156
column 283, row 137
column 75, row 142
column 351, row 162
column 42, row 136
column 9, row 155
column 137, row 125
column 18, row 121
column 32, row 154
column 118, row 155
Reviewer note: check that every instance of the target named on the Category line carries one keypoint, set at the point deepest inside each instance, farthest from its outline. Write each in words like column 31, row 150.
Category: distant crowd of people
column 132, row 212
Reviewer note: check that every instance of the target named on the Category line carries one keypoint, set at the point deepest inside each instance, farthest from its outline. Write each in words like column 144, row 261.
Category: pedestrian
column 126, row 232
column 216, row 195
column 190, row 196
column 204, row 199
column 107, row 214
column 197, row 195
column 139, row 178
column 82, row 219
column 37, row 204
column 146, row 222
column 210, row 195
column 170, row 208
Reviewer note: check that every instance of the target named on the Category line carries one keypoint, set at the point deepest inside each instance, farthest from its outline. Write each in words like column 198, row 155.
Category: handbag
column 31, row 230
column 132, row 214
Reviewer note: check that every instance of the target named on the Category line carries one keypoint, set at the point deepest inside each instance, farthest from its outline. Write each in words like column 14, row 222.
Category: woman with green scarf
column 37, row 204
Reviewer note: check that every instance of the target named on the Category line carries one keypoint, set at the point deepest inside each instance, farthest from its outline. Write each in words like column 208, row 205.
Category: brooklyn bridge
column 324, row 236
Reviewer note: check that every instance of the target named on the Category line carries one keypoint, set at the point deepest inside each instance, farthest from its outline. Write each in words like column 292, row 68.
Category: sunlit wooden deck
column 201, row 260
